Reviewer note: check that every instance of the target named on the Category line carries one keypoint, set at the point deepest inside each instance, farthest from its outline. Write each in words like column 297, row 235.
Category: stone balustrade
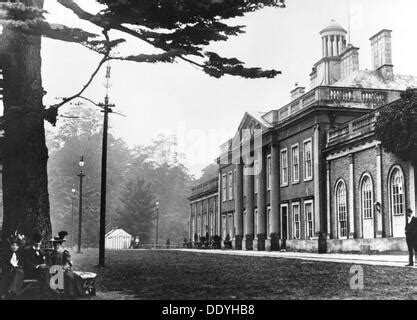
column 205, row 187
column 352, row 129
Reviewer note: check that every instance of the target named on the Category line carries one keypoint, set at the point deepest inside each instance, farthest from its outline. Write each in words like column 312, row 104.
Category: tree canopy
column 177, row 29
column 396, row 127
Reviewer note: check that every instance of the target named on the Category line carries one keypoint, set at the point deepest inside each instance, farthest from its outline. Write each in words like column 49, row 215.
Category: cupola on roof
column 333, row 27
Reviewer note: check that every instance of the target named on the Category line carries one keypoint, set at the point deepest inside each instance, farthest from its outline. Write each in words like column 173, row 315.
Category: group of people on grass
column 24, row 260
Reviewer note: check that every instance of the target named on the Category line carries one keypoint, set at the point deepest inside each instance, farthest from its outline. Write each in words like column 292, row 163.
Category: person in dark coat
column 35, row 262
column 73, row 284
column 411, row 236
column 13, row 274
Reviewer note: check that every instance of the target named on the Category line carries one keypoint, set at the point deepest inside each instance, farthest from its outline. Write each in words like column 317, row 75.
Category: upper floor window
column 284, row 167
column 308, row 160
column 256, row 168
column 367, row 197
column 268, row 172
column 295, row 155
column 341, row 208
column 397, row 192
column 224, row 187
column 231, row 185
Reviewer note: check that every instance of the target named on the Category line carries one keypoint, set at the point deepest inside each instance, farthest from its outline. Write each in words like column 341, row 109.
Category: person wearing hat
column 13, row 274
column 35, row 261
column 73, row 286
column 411, row 236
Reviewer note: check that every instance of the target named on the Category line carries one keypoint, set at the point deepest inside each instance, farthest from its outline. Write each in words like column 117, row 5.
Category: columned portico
column 260, row 233
column 237, row 240
column 317, row 180
column 329, row 230
column 378, row 192
column 351, row 198
column 272, row 242
column 247, row 242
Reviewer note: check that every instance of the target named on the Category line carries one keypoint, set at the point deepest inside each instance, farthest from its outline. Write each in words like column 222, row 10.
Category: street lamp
column 157, row 223
column 80, row 213
column 72, row 215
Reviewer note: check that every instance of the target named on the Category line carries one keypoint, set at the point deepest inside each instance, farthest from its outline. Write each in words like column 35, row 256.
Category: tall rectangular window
column 255, row 167
column 268, row 222
column 308, row 160
column 296, row 215
column 231, row 185
column 308, row 211
column 295, row 155
column 224, row 187
column 284, row 167
column 268, row 172
column 224, row 227
column 255, row 224
column 230, row 226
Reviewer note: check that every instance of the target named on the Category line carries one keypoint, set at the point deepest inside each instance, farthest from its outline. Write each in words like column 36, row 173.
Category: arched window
column 397, row 192
column 341, row 208
column 367, row 197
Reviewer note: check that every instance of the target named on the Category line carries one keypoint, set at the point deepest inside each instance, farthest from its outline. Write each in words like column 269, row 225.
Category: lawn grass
column 170, row 274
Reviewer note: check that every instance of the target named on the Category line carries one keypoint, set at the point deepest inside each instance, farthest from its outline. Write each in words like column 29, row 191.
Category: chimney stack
column 349, row 61
column 382, row 54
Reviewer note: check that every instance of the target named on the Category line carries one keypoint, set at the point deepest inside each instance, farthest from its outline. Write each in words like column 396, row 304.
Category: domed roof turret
column 333, row 27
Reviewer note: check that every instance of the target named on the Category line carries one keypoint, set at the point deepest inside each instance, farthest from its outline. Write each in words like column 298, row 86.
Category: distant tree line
column 137, row 177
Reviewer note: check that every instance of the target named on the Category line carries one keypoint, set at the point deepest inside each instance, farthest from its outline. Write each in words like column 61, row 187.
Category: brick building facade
column 313, row 166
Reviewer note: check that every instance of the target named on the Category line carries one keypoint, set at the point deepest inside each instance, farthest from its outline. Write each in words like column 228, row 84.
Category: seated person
column 13, row 274
column 73, row 283
column 35, row 262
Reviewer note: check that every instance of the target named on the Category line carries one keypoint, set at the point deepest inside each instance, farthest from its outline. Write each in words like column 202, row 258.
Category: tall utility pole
column 72, row 216
column 107, row 108
column 80, row 212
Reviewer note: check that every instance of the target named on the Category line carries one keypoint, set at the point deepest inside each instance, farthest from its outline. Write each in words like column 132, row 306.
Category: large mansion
column 313, row 169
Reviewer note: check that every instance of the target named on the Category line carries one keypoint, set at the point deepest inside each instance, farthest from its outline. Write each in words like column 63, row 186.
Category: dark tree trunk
column 25, row 181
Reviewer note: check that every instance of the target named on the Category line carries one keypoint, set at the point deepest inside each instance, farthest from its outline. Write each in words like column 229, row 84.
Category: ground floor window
column 341, row 208
column 268, row 222
column 308, row 211
column 367, row 197
column 255, row 225
column 397, row 192
column 230, row 226
column 224, row 227
column 211, row 223
column 296, row 215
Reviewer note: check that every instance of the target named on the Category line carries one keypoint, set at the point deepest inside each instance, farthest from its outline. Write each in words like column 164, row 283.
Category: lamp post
column 72, row 215
column 157, row 224
column 80, row 213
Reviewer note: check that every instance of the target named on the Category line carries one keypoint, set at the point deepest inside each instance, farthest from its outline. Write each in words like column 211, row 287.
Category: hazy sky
column 203, row 111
